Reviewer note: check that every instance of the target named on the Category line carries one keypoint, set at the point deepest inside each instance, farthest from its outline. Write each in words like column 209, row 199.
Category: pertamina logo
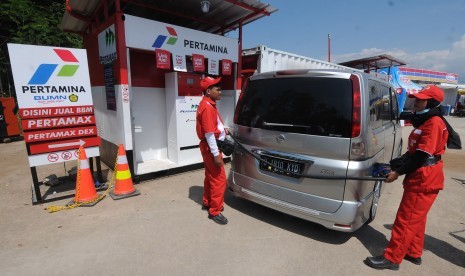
column 41, row 84
column 160, row 40
column 46, row 70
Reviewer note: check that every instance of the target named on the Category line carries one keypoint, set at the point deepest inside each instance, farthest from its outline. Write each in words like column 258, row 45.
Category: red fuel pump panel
column 189, row 84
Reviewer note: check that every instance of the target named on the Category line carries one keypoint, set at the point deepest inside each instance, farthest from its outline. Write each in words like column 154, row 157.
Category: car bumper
column 349, row 217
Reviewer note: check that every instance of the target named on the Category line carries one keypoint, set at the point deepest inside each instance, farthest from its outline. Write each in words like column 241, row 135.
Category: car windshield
column 316, row 106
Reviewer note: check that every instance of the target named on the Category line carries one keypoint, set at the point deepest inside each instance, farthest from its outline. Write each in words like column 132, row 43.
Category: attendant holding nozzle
column 210, row 130
column 424, row 178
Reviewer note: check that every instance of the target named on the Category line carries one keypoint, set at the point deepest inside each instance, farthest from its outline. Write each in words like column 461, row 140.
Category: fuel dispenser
column 183, row 96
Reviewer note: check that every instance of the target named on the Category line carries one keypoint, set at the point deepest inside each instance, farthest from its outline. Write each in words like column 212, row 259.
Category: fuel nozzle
column 381, row 170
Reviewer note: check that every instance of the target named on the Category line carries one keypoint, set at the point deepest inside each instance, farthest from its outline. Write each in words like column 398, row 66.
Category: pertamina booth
column 146, row 60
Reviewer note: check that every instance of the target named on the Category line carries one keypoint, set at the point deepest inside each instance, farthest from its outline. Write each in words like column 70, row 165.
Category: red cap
column 429, row 92
column 208, row 81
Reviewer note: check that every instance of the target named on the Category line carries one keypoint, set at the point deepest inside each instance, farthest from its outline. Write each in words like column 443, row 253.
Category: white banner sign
column 179, row 63
column 60, row 156
column 55, row 102
column 50, row 76
column 107, row 45
column 213, row 67
column 147, row 34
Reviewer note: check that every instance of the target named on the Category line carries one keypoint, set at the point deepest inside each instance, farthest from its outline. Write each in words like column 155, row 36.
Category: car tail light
column 356, row 106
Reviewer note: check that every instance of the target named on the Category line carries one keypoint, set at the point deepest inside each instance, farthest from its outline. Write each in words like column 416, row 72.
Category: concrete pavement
column 164, row 231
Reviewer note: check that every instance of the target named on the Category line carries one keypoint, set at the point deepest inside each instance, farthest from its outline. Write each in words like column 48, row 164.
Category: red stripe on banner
column 66, row 55
column 58, row 134
column 41, row 112
column 44, row 147
column 40, row 123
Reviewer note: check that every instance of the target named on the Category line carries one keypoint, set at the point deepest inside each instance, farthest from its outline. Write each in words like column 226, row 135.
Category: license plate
column 280, row 165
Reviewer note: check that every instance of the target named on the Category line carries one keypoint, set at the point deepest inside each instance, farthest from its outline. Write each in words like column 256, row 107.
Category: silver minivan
column 310, row 140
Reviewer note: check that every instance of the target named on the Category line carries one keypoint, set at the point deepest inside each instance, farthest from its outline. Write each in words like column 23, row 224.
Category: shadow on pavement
column 442, row 249
column 196, row 193
column 289, row 223
column 67, row 188
column 457, row 236
column 373, row 240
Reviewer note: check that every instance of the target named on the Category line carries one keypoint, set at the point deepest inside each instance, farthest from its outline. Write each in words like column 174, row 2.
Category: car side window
column 375, row 104
column 394, row 104
column 386, row 104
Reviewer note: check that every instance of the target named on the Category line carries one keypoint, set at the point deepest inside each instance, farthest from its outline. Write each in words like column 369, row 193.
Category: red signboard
column 52, row 129
column 163, row 59
column 44, row 147
column 42, row 112
column 56, row 134
column 57, row 122
column 198, row 62
column 226, row 67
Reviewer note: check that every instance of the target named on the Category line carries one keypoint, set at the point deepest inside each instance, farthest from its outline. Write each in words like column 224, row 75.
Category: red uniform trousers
column 214, row 184
column 408, row 231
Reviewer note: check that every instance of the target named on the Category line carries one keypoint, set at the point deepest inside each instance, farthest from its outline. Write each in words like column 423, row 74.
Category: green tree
column 34, row 22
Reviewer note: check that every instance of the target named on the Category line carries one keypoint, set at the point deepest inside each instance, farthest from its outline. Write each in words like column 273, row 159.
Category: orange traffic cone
column 123, row 186
column 85, row 187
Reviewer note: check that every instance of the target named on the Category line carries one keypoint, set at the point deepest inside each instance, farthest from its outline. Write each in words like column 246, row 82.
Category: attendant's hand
column 392, row 176
column 218, row 160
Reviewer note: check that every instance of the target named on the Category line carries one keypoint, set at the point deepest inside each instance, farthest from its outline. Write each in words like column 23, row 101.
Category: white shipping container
column 273, row 60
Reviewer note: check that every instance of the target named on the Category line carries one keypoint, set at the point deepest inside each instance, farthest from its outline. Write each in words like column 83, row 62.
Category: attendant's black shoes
column 205, row 207
column 379, row 262
column 220, row 219
column 413, row 260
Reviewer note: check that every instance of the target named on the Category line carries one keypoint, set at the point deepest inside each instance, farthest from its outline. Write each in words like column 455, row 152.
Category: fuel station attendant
column 209, row 127
column 424, row 178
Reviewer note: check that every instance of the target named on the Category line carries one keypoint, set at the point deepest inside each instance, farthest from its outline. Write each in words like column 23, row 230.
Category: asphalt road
column 164, row 231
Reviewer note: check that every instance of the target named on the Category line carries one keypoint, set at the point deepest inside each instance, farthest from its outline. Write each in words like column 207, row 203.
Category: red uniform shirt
column 430, row 137
column 208, row 119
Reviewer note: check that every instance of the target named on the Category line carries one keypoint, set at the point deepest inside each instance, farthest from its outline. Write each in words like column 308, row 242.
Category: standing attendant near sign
column 209, row 127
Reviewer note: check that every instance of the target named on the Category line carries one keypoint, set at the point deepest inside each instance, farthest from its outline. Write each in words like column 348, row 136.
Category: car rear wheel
column 374, row 204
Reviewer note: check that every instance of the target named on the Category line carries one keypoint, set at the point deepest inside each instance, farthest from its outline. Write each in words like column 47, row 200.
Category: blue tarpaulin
column 404, row 85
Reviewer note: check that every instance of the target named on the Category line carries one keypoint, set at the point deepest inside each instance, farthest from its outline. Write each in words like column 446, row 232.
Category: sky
column 425, row 34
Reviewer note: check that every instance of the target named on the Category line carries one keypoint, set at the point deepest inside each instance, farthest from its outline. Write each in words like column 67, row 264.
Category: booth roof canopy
column 223, row 16
column 373, row 63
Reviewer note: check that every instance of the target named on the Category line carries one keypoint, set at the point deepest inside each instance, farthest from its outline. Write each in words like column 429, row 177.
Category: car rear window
column 316, row 106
